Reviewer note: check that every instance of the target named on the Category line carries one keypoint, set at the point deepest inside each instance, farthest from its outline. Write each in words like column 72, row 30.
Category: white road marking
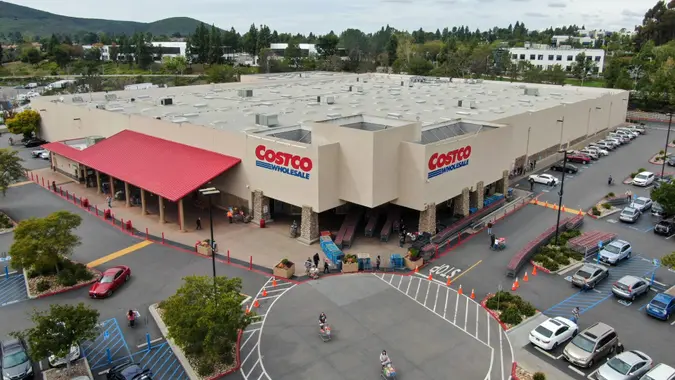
column 670, row 236
column 432, row 279
column 247, row 339
column 40, row 365
column 275, row 290
column 501, row 354
column 466, row 314
column 477, row 314
column 592, row 375
column 146, row 343
column 426, row 296
column 391, row 279
column 492, row 359
column 576, row 370
column 438, row 290
column 673, row 324
column 408, row 289
column 418, row 288
column 547, row 353
column 445, row 309
column 399, row 282
column 252, row 368
column 656, row 282
column 456, row 308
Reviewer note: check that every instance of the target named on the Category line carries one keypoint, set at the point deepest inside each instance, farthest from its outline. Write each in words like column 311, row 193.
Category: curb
column 589, row 213
column 492, row 313
column 25, row 280
column 86, row 366
column 539, row 267
column 182, row 359
column 49, row 294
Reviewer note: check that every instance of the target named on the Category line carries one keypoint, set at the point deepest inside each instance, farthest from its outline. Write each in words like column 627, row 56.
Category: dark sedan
column 566, row 167
column 664, row 227
column 32, row 143
column 671, row 161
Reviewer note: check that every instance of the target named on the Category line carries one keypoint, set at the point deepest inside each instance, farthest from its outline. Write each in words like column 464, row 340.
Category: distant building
column 544, row 56
column 168, row 49
column 582, row 40
column 306, row 50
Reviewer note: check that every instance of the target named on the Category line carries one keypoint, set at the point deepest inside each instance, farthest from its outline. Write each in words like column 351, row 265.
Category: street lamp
column 560, row 193
column 562, row 128
column 665, row 152
column 209, row 192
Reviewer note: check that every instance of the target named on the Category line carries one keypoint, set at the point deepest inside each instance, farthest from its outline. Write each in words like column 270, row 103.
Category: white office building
column 306, row 50
column 544, row 56
column 168, row 49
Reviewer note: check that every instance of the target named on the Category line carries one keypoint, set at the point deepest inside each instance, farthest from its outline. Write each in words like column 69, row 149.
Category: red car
column 578, row 157
column 111, row 279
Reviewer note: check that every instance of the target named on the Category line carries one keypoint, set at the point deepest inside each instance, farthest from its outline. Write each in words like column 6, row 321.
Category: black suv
column 666, row 227
column 566, row 167
column 16, row 364
column 129, row 371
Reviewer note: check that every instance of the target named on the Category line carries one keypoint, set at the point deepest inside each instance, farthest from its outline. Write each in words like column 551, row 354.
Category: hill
column 29, row 21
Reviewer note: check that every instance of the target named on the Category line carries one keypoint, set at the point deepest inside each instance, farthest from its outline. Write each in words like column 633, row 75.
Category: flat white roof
column 293, row 98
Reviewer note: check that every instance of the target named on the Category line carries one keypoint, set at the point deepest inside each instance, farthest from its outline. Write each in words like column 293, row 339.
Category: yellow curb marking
column 20, row 183
column 119, row 253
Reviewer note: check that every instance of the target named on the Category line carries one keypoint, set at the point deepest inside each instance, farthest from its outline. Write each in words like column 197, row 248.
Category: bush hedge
column 5, row 222
column 669, row 260
column 511, row 306
column 539, row 376
column 552, row 256
column 595, row 211
column 43, row 286
column 69, row 273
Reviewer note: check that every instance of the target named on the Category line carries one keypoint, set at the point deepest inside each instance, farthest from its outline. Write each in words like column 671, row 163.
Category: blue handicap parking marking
column 12, row 289
column 637, row 266
column 161, row 360
column 109, row 348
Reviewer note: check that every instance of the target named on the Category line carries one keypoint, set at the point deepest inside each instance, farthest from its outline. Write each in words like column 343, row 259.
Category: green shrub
column 606, row 206
column 641, row 170
column 527, row 309
column 538, row 376
column 204, row 367
column 511, row 316
column 81, row 272
column 539, row 258
column 66, row 278
column 43, row 286
column 610, row 195
column 661, row 152
column 669, row 260
column 5, row 222
column 632, row 175
column 595, row 211
column 32, row 274
column 576, row 256
column 562, row 259
column 551, row 265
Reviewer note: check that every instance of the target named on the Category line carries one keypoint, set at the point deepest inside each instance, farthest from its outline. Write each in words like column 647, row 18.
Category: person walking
column 308, row 266
column 377, row 263
column 492, row 240
column 326, row 269
column 199, row 223
column 316, row 259
column 531, row 180
column 489, row 227
column 108, row 200
column 229, row 215
column 576, row 312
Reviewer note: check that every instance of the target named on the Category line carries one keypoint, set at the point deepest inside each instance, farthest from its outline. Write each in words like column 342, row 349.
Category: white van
column 31, row 85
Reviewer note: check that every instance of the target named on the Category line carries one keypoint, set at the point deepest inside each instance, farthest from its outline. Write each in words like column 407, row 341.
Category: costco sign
column 441, row 163
column 287, row 163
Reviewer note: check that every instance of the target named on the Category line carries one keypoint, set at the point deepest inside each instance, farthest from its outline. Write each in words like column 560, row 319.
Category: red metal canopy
column 166, row 168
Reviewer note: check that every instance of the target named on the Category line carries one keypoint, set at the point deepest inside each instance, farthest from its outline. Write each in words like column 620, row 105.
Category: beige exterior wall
column 65, row 165
column 352, row 165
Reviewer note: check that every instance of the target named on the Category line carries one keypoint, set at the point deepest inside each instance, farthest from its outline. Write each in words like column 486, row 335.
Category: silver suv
column 594, row 343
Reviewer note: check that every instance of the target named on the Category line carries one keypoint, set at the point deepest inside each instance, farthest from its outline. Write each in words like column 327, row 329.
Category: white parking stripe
column 426, row 296
column 445, row 309
column 454, row 321
column 576, row 370
column 399, row 282
column 547, row 353
column 477, row 314
column 466, row 313
column 501, row 354
column 438, row 290
column 592, row 375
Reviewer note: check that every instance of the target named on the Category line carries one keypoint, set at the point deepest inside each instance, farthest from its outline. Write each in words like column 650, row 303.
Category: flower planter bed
column 555, row 258
column 350, row 267
column 203, row 248
column 508, row 304
column 6, row 223
column 285, row 269
column 36, row 288
column 78, row 367
column 615, row 203
column 587, row 243
column 657, row 159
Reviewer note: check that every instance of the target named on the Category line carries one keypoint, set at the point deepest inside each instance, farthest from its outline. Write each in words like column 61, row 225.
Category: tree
column 250, row 41
column 391, row 49
column 221, row 74
column 41, row 244
column 92, row 55
column 293, row 53
column 61, row 55
column 665, row 196
column 31, row 56
column 24, row 123
column 419, row 66
column 2, row 54
column 114, row 52
column 204, row 319
column 326, row 46
column 56, row 331
column 215, row 46
column 555, row 75
column 582, row 67
column 176, row 65
column 11, row 169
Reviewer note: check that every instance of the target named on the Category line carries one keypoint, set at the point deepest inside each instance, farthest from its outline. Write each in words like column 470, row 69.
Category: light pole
column 209, row 192
column 562, row 129
column 665, row 152
column 560, row 193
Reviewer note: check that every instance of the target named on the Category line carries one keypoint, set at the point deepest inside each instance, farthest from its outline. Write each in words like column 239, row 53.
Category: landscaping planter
column 285, row 271
column 350, row 267
column 412, row 264
column 204, row 250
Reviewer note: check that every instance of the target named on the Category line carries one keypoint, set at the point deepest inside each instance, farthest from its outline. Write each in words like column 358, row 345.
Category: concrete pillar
column 161, row 210
column 428, row 219
column 181, row 216
column 477, row 196
column 309, row 226
column 461, row 203
column 127, row 195
column 144, row 208
column 112, row 187
column 503, row 184
column 260, row 204
column 98, row 182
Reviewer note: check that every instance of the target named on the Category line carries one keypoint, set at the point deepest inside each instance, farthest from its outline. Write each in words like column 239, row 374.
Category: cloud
column 627, row 13
column 397, row 1
column 557, row 5
column 536, row 14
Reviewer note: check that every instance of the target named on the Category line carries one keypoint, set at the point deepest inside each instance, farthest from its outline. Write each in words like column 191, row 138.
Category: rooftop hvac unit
column 318, row 99
column 166, row 101
column 531, row 91
column 359, row 89
column 351, row 88
column 468, row 104
column 78, row 99
column 330, row 100
column 245, row 93
column 402, row 84
column 271, row 120
column 100, row 107
column 110, row 97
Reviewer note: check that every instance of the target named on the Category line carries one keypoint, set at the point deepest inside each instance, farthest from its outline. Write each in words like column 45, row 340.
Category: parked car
column 671, row 161
column 32, row 143
column 662, row 306
column 590, row 275
column 630, row 287
column 626, row 134
column 614, row 140
column 564, row 166
column 644, row 179
column 628, row 365
column 592, row 154
column 16, row 364
column 642, row 203
column 616, row 251
column 128, row 371
column 110, row 281
column 629, row 132
column 629, row 215
column 657, row 210
column 37, row 152
column 660, row 372
column 660, row 181
column 45, row 155
column 74, row 354
column 594, row 343
column 604, row 145
column 553, row 332
column 600, row 151
column 578, row 158
column 546, row 179
column 637, row 128
column 623, row 139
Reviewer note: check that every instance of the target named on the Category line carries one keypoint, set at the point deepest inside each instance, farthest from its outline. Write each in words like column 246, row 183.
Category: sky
column 322, row 16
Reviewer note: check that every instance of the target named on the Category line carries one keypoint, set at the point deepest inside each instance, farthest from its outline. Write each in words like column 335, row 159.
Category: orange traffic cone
column 460, row 291
column 264, row 293
column 563, row 208
column 546, row 204
column 449, row 282
column 514, row 287
column 417, row 269
column 248, row 310
column 473, row 295
column 534, row 271
column 429, row 277
column 517, row 283
column 274, row 282
column 580, row 212
column 525, row 278
column 256, row 304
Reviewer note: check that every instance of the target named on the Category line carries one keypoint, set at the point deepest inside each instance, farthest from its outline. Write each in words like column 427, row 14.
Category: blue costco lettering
column 441, row 163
